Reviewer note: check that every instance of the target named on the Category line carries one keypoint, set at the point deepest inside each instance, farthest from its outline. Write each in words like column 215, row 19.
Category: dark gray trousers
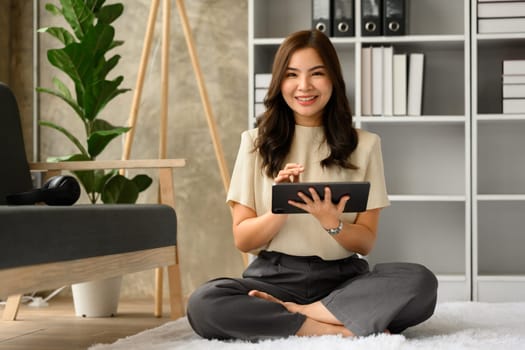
column 392, row 296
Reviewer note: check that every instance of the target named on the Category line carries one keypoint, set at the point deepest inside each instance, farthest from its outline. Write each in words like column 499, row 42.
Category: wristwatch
column 334, row 231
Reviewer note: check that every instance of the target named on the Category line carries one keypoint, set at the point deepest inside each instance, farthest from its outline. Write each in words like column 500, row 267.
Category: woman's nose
column 304, row 83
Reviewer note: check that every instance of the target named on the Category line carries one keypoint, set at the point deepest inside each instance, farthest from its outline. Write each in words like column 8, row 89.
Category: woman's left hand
column 323, row 210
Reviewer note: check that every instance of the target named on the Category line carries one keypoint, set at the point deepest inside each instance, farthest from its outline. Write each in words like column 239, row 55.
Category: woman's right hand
column 290, row 173
column 251, row 231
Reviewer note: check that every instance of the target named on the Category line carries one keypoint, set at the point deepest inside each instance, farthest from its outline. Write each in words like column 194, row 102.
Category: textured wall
column 16, row 65
column 5, row 48
column 220, row 33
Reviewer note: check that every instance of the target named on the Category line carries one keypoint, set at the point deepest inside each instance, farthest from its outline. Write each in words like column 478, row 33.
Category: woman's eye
column 290, row 74
column 318, row 73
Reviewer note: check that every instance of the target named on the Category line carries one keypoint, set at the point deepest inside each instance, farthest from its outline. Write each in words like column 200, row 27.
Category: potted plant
column 82, row 58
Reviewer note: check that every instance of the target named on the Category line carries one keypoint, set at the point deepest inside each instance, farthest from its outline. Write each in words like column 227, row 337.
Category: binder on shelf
column 399, row 79
column 343, row 14
column 371, row 17
column 394, row 17
column 262, row 80
column 388, row 105
column 415, row 84
column 513, row 90
column 514, row 106
column 377, row 80
column 366, row 81
column 514, row 78
column 321, row 16
column 501, row 9
column 260, row 94
column 501, row 25
column 513, row 67
column 262, row 83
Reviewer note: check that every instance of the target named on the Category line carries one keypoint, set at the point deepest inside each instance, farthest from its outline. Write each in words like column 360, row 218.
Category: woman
column 308, row 278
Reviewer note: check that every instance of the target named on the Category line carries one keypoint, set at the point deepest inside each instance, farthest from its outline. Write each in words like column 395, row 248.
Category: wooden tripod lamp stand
column 219, row 154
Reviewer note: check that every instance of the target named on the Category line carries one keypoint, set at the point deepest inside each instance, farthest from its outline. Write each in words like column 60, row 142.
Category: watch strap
column 336, row 230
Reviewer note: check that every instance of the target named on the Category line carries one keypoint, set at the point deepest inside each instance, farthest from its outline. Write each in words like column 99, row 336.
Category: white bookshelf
column 455, row 174
column 498, row 172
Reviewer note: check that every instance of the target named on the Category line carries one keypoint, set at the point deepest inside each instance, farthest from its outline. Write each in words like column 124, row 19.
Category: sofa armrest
column 108, row 164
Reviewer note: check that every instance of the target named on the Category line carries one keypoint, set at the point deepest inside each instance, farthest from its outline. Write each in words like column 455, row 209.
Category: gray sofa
column 45, row 247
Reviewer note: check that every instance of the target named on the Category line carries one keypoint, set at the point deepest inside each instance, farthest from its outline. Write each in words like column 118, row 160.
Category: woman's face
column 306, row 87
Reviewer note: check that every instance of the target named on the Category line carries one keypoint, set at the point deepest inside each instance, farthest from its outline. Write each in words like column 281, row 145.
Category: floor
column 56, row 327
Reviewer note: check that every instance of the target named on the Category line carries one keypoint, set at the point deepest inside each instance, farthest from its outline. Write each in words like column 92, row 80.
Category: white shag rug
column 455, row 325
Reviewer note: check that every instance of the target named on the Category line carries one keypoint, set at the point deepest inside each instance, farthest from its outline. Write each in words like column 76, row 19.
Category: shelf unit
column 498, row 172
column 455, row 174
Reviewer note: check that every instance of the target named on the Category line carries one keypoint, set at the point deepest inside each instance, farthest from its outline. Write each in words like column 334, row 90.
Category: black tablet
column 282, row 192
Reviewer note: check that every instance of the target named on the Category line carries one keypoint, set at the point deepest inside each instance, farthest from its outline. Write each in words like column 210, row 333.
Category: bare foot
column 319, row 320
column 290, row 306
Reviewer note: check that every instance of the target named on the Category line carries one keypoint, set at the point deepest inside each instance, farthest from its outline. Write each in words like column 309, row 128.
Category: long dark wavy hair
column 277, row 124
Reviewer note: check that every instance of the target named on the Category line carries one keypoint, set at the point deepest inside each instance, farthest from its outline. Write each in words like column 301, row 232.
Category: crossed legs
column 391, row 298
column 319, row 321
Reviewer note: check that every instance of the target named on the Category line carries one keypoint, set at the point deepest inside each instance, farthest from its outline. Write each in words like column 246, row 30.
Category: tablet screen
column 283, row 192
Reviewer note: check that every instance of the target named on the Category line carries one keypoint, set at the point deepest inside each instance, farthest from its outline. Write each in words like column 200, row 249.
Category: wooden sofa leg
column 159, row 285
column 175, row 287
column 11, row 307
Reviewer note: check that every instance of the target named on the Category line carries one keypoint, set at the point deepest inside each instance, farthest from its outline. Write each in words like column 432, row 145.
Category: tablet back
column 282, row 192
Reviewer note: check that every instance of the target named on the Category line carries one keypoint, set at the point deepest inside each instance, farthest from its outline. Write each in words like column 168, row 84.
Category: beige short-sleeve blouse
column 302, row 235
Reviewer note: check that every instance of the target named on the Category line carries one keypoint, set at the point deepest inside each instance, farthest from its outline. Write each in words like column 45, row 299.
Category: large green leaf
column 119, row 189
column 87, row 179
column 78, row 60
column 94, row 181
column 99, row 94
column 103, row 179
column 100, row 125
column 98, row 140
column 51, row 8
column 108, row 14
column 62, row 88
column 67, row 60
column 78, row 15
column 116, row 43
column 94, row 5
column 99, row 40
column 61, row 34
column 142, row 182
column 108, row 65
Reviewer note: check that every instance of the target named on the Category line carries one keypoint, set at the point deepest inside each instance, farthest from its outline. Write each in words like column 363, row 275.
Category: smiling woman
column 307, row 87
column 308, row 278
column 277, row 127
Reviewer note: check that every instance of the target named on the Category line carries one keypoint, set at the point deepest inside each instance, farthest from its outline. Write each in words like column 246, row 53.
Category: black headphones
column 58, row 190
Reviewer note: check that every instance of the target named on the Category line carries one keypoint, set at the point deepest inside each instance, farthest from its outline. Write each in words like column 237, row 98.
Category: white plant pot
column 97, row 298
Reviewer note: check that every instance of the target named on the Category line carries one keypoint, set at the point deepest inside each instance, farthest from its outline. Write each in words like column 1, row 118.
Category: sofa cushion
column 84, row 231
